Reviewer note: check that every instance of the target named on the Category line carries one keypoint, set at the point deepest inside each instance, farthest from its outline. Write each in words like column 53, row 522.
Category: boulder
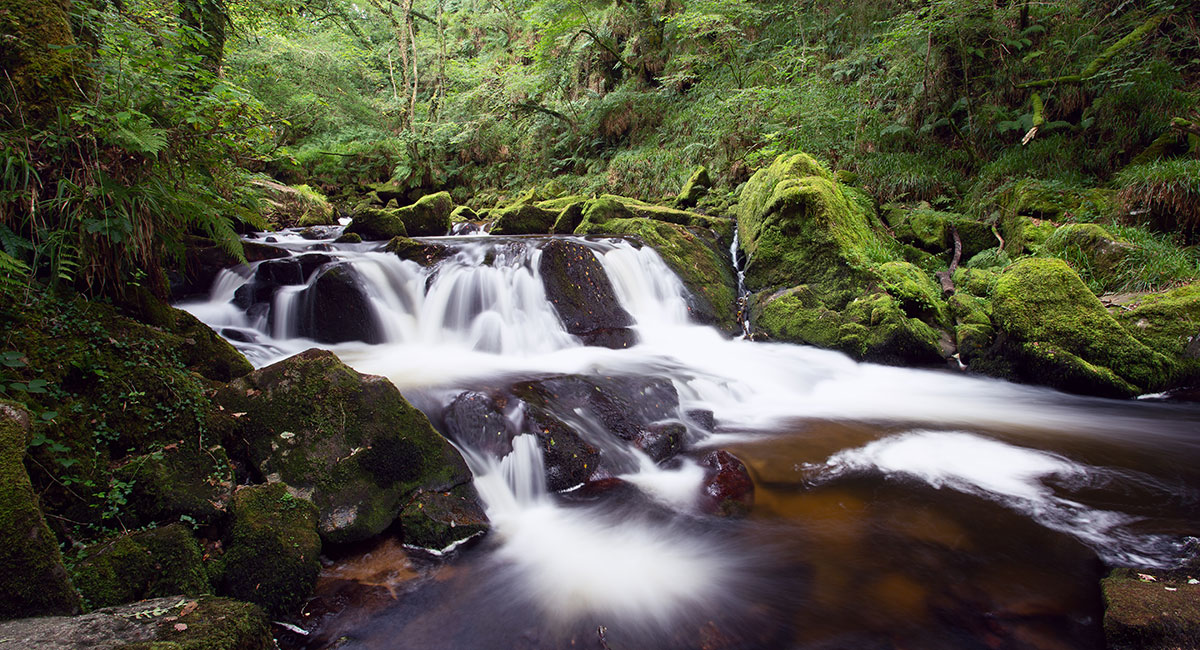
column 429, row 216
column 524, row 219
column 287, row 206
column 33, row 580
column 377, row 224
column 438, row 520
column 463, row 213
column 272, row 550
column 1092, row 251
column 181, row 480
column 173, row 623
column 581, row 293
column 334, row 308
column 204, row 351
column 475, row 421
column 694, row 189
column 1052, row 330
column 933, row 231
column 1168, row 322
column 1160, row 611
column 425, row 254
column 203, row 261
column 150, row 564
column 348, row 442
column 728, row 489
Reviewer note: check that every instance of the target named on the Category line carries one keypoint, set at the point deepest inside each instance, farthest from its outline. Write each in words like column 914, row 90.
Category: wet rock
column 181, row 480
column 150, row 564
column 435, row 520
column 207, row 623
column 569, row 460
column 474, row 420
column 334, row 309
column 703, row 418
column 203, row 261
column 1159, row 611
column 581, row 293
column 348, row 442
column 425, row 254
column 615, row 338
column 728, row 489
column 33, row 580
column 272, row 550
column 626, row 405
column 661, row 441
column 348, row 238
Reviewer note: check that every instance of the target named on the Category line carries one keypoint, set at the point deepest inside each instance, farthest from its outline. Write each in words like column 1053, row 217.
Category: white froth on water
column 677, row 487
column 1016, row 477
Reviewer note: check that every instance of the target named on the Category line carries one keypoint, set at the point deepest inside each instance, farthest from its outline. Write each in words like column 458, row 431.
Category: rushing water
column 894, row 508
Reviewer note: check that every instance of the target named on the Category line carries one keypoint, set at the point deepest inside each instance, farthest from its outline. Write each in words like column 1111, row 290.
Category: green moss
column 375, row 224
column 1162, row 614
column 425, row 254
column 348, row 238
column 919, row 296
column 435, row 520
column 1169, row 323
column 1057, row 333
column 978, row 282
column 429, row 216
column 692, row 253
column 158, row 562
column 462, row 214
column 205, row 351
column 271, row 556
column 181, row 480
column 40, row 54
column 33, row 580
column 694, row 189
column 569, row 219
column 991, row 258
column 723, row 227
column 216, row 624
column 524, row 219
column 561, row 203
column 349, row 442
column 1092, row 251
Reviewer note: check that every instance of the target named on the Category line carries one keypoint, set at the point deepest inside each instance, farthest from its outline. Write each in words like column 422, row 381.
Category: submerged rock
column 1052, row 330
column 153, row 563
column 581, row 293
column 272, row 550
column 423, row 253
column 175, row 622
column 348, row 442
column 33, row 580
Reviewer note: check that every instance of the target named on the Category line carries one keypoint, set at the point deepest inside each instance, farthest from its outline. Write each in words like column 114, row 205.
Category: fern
column 12, row 270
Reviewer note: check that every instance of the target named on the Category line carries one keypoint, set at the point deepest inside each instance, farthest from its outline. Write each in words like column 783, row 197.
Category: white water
column 482, row 314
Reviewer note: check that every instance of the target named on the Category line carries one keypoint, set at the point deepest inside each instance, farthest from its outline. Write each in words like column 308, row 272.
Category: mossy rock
column 1168, row 322
column 462, row 213
column 437, row 520
column 1053, row 331
column 377, row 224
column 46, row 68
column 348, row 238
column 272, row 550
column 933, row 231
column 694, row 254
column 1091, row 250
column 640, row 209
column 348, row 442
column 149, row 564
column 569, row 219
column 561, row 203
column 1163, row 614
column 977, row 282
column 181, row 480
column 990, row 258
column 204, row 351
column 1056, row 202
column 871, row 327
column 33, row 580
column 171, row 623
column 422, row 253
column 428, row 217
column 919, row 296
column 694, row 189
column 524, row 219
column 287, row 206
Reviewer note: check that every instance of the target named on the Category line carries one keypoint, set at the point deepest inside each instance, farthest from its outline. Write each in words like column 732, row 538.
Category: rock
column 1163, row 614
column 728, row 489
column 989, row 258
column 348, row 442
column 1168, row 322
column 580, row 291
column 694, row 189
column 436, row 520
column 569, row 460
column 289, row 206
column 822, row 274
column 334, row 308
column 173, row 623
column 272, row 550
column 524, row 219
column 33, row 580
column 475, row 421
column 425, row 254
column 377, row 224
column 1051, row 330
column 429, row 216
column 153, row 563
column 933, row 231
column 693, row 253
column 462, row 214
column 204, row 351
column 1095, row 253
column 348, row 238
column 569, row 219
column 203, row 261
column 181, row 480
column 661, row 441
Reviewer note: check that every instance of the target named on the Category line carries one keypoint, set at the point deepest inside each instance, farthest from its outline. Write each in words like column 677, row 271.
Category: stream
column 893, row 507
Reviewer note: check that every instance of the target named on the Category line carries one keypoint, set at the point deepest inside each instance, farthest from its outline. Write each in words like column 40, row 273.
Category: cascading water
column 877, row 488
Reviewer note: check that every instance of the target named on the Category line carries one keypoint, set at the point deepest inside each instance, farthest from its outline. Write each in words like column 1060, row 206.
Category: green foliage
column 1164, row 194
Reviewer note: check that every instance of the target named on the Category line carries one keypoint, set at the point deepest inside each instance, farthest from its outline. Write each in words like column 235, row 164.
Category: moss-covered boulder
column 693, row 253
column 1052, row 330
column 462, row 214
column 1159, row 613
column 524, row 219
column 826, row 276
column 694, row 189
column 205, row 351
column 180, row 480
column 171, row 623
column 33, row 580
column 377, row 224
column 721, row 226
column 272, row 550
column 579, row 289
column 1091, row 250
column 438, row 520
column 286, row 206
column 46, row 67
column 149, row 564
column 348, row 442
column 933, row 231
column 423, row 253
column 1168, row 322
column 428, row 217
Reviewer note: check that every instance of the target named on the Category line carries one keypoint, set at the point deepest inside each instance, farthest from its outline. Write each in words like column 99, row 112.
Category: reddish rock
column 728, row 489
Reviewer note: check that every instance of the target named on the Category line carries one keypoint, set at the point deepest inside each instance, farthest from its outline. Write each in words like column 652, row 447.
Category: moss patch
column 1146, row 615
column 1169, row 323
column 377, row 224
column 158, row 562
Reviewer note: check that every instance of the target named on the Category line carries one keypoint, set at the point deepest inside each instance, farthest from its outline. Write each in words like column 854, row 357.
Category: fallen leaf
column 179, row 627
column 1146, row 577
